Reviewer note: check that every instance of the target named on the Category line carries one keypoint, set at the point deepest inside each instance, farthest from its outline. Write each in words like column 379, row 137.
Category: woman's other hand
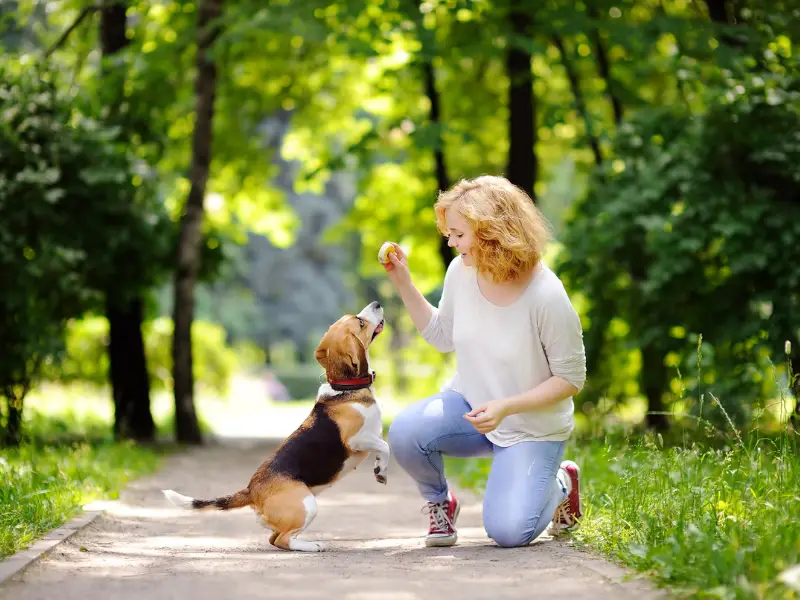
column 486, row 418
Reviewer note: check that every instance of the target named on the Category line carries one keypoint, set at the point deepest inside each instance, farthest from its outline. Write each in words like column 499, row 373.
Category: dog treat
column 383, row 253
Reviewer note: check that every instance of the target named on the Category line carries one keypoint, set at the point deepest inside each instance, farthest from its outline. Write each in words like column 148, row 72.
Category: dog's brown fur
column 332, row 441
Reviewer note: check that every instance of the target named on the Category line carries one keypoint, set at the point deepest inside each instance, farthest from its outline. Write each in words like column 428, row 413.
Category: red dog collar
column 358, row 383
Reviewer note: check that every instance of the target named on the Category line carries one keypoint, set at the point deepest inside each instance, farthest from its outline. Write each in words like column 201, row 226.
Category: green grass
column 703, row 522
column 43, row 486
column 65, row 462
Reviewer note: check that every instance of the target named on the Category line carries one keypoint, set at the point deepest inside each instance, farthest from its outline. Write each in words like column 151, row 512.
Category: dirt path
column 145, row 548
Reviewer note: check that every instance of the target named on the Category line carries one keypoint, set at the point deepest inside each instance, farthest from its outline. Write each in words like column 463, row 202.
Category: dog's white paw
column 305, row 546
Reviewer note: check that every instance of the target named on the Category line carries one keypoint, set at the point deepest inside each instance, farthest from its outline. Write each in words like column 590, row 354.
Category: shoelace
column 438, row 514
column 563, row 514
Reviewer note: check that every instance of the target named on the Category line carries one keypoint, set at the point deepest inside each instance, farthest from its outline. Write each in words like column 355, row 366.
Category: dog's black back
column 314, row 454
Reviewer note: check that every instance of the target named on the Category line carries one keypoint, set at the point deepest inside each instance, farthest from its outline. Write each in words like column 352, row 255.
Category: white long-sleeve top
column 503, row 351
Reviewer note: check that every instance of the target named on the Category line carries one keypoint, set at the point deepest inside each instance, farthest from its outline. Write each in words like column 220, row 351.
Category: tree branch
column 681, row 84
column 580, row 102
column 603, row 63
column 75, row 24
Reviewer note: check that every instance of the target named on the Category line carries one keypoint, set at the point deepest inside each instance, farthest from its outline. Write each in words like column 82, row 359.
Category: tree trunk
column 580, row 102
column 187, row 428
column 604, row 65
column 14, row 426
column 130, row 381
column 112, row 28
column 724, row 12
column 718, row 11
column 11, row 435
column 442, row 181
column 522, row 163
column 654, row 382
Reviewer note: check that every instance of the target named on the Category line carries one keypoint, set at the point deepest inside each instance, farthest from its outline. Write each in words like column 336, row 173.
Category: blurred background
column 192, row 191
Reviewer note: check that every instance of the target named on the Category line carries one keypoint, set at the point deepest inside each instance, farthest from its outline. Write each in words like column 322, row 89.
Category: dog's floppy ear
column 345, row 357
column 321, row 353
column 357, row 355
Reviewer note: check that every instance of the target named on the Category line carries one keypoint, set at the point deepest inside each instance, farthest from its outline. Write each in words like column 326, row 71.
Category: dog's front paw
column 380, row 474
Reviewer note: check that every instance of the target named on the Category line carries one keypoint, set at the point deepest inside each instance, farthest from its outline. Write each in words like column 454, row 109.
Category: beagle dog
column 344, row 426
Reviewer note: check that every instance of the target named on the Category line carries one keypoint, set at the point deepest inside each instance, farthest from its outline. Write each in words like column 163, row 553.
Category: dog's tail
column 236, row 500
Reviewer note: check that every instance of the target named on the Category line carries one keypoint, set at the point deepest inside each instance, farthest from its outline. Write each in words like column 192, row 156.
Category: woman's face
column 461, row 235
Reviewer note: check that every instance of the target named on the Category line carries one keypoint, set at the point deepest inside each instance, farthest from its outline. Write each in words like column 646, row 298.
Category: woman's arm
column 419, row 309
column 486, row 418
column 435, row 325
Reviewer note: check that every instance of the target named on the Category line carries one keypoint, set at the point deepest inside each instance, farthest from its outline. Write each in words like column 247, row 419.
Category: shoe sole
column 441, row 542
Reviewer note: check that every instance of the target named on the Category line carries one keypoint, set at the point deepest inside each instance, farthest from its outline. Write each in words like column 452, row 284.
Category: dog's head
column 342, row 352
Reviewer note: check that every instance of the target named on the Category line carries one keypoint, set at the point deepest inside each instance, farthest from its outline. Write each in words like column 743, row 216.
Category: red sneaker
column 569, row 511
column 442, row 530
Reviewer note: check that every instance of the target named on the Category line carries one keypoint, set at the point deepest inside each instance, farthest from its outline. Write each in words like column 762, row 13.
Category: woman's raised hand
column 396, row 263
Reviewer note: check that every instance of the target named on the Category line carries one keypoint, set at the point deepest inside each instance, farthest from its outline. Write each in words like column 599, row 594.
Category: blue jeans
column 522, row 491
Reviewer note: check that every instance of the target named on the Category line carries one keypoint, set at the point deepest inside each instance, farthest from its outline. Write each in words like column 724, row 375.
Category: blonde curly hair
column 510, row 231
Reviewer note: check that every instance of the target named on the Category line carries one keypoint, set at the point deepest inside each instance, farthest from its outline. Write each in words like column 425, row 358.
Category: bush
column 693, row 230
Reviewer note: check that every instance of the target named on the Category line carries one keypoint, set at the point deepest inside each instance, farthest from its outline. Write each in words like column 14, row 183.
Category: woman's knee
column 403, row 434
column 509, row 530
column 415, row 424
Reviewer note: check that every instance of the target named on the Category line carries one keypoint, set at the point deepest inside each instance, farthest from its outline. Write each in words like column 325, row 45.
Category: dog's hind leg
column 288, row 539
column 289, row 516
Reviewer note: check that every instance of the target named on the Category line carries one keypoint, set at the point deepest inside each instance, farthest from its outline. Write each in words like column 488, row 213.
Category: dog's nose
column 376, row 305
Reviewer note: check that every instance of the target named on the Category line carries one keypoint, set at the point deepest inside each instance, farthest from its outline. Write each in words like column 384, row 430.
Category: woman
column 519, row 361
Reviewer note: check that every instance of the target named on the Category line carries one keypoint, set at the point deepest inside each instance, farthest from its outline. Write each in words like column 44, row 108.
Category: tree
column 73, row 219
column 189, row 244
column 130, row 383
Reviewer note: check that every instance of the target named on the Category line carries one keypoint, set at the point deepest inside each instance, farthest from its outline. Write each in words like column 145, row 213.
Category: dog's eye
column 360, row 320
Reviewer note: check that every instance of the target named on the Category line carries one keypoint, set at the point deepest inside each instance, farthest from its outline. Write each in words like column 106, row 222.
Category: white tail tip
column 178, row 499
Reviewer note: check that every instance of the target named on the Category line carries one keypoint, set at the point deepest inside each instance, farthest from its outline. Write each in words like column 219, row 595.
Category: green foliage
column 78, row 219
column 349, row 79
column 85, row 358
column 692, row 230
column 41, row 487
